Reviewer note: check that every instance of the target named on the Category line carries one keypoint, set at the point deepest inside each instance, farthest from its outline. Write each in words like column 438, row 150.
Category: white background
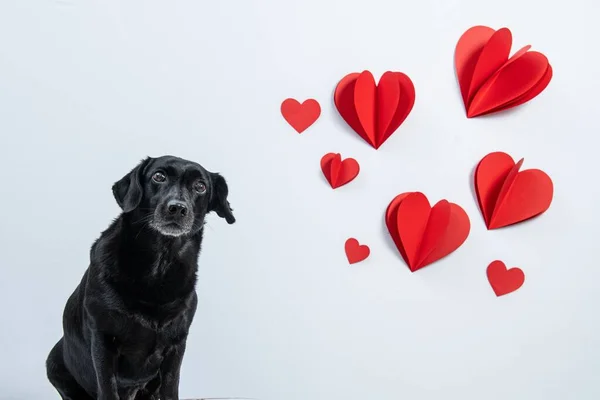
column 88, row 88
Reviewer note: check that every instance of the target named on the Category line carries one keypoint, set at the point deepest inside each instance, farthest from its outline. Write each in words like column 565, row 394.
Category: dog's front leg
column 169, row 370
column 104, row 358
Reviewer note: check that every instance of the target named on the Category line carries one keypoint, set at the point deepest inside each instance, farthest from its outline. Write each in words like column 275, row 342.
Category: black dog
column 126, row 324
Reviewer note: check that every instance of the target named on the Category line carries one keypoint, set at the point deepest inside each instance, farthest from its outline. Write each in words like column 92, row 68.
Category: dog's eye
column 200, row 187
column 159, row 177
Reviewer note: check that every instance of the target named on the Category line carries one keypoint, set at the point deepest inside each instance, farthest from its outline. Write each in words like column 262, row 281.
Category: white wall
column 88, row 88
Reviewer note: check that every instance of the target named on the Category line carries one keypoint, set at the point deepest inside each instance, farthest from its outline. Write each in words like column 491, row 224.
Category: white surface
column 88, row 88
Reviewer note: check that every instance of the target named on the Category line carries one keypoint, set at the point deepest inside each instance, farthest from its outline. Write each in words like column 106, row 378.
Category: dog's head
column 172, row 195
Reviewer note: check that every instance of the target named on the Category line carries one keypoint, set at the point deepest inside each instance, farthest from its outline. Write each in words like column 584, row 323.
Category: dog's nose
column 177, row 208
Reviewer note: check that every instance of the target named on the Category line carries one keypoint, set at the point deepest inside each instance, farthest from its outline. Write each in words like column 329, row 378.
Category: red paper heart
column 507, row 196
column 300, row 116
column 490, row 81
column 375, row 111
column 356, row 252
column 503, row 280
column 424, row 234
column 338, row 172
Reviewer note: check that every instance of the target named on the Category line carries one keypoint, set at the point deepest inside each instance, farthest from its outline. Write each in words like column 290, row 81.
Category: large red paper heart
column 507, row 196
column 503, row 280
column 489, row 80
column 375, row 111
column 424, row 234
column 300, row 116
column 355, row 252
column 338, row 172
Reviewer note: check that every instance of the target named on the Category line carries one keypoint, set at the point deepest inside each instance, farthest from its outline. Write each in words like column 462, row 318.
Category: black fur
column 125, row 326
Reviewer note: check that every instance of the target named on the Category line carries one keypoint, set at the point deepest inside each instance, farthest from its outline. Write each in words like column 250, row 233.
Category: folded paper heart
column 503, row 280
column 489, row 80
column 507, row 196
column 355, row 252
column 425, row 234
column 300, row 116
column 374, row 111
column 338, row 172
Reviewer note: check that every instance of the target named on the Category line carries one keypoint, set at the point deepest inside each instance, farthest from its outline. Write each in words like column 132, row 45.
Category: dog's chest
column 150, row 335
column 142, row 348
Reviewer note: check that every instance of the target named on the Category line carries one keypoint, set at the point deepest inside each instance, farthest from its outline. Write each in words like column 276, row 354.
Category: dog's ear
column 218, row 200
column 128, row 190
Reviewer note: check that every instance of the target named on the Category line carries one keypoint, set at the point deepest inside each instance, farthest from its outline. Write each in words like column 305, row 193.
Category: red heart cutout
column 338, row 172
column 300, row 116
column 356, row 252
column 375, row 111
column 507, row 196
column 490, row 81
column 503, row 280
column 424, row 234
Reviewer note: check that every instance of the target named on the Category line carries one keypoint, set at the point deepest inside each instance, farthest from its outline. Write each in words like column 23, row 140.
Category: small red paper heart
column 507, row 196
column 356, row 252
column 489, row 80
column 374, row 111
column 338, row 172
column 424, row 234
column 300, row 116
column 503, row 280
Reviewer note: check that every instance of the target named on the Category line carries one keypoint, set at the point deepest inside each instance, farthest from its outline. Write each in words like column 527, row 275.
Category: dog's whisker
column 208, row 225
column 145, row 218
column 147, row 224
